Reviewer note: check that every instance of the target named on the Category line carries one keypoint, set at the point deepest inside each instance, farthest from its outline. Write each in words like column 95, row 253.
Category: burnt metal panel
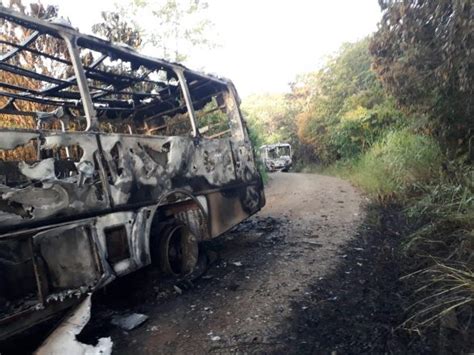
column 81, row 187
column 51, row 187
column 116, row 241
column 67, row 257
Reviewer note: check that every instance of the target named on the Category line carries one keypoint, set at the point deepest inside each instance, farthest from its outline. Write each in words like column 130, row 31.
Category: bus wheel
column 177, row 249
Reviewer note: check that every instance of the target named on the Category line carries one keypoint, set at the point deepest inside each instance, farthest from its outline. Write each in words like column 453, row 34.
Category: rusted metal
column 276, row 157
column 118, row 144
column 40, row 282
column 81, row 80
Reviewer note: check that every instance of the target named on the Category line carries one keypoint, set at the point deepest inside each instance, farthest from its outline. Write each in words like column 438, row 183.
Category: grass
column 443, row 290
column 393, row 165
column 439, row 205
column 442, row 247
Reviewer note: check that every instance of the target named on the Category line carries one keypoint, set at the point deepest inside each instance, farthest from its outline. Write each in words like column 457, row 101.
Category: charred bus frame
column 126, row 160
column 274, row 160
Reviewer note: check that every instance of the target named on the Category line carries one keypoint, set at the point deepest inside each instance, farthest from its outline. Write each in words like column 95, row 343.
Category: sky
column 263, row 44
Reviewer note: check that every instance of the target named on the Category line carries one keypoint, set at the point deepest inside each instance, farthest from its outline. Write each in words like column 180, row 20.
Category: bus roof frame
column 74, row 39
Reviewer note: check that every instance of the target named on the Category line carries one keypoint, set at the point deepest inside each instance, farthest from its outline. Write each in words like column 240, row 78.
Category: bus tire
column 174, row 249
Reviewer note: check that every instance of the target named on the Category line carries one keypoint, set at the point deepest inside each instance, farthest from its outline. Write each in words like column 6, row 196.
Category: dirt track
column 312, row 273
column 245, row 301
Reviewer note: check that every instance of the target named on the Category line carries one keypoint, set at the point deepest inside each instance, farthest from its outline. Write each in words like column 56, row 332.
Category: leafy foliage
column 173, row 27
column 182, row 25
column 35, row 9
column 395, row 164
column 391, row 113
column 271, row 118
column 423, row 53
column 270, row 115
column 441, row 248
column 117, row 29
column 14, row 33
column 344, row 109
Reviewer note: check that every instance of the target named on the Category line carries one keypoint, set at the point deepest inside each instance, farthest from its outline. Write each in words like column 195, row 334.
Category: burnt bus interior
column 130, row 95
column 106, row 140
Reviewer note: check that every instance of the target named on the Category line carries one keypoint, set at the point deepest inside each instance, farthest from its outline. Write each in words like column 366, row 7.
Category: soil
column 253, row 297
column 316, row 271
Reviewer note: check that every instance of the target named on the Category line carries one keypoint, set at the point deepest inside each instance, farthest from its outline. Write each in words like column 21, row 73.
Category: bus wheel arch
column 175, row 231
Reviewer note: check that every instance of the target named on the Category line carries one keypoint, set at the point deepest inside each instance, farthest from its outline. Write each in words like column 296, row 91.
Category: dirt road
column 246, row 300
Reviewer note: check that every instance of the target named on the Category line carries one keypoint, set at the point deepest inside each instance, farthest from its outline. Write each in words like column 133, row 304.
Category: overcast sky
column 264, row 44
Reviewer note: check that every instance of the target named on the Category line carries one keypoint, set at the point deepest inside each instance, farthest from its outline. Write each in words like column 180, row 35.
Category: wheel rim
column 178, row 250
column 175, row 250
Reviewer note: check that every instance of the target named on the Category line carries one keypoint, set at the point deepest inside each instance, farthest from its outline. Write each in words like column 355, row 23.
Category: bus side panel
column 230, row 207
column 44, row 175
column 146, row 168
column 41, row 269
column 123, row 238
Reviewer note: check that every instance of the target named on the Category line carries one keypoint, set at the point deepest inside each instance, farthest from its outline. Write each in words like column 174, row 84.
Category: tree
column 268, row 114
column 342, row 107
column 272, row 119
column 423, row 53
column 170, row 29
column 116, row 29
column 182, row 25
column 35, row 9
column 14, row 33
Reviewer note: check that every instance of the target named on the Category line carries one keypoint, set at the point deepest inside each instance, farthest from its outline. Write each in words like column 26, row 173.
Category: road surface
column 247, row 298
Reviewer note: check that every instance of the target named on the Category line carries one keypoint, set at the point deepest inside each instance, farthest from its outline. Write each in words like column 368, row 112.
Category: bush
column 257, row 140
column 420, row 54
column 443, row 247
column 439, row 200
column 361, row 128
column 396, row 164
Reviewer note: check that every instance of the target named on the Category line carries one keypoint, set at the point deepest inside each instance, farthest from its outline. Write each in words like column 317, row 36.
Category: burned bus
column 276, row 157
column 109, row 161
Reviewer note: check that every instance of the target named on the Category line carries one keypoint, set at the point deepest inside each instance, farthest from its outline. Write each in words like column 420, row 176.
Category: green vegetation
column 441, row 251
column 177, row 27
column 348, row 111
column 270, row 119
column 333, row 114
column 393, row 114
column 422, row 53
column 395, row 164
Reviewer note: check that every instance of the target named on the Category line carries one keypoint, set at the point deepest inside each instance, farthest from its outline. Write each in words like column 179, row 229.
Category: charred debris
column 109, row 160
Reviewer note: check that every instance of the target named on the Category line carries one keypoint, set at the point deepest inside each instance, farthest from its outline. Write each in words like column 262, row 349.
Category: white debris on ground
column 63, row 339
column 213, row 337
column 129, row 321
column 178, row 290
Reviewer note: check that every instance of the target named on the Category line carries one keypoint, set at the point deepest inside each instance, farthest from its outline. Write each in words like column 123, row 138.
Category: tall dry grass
column 439, row 204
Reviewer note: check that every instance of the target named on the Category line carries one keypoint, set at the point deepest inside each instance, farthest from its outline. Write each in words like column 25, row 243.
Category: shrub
column 396, row 164
column 442, row 247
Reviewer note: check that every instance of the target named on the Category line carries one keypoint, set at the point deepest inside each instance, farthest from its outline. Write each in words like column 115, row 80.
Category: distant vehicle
column 126, row 160
column 276, row 157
